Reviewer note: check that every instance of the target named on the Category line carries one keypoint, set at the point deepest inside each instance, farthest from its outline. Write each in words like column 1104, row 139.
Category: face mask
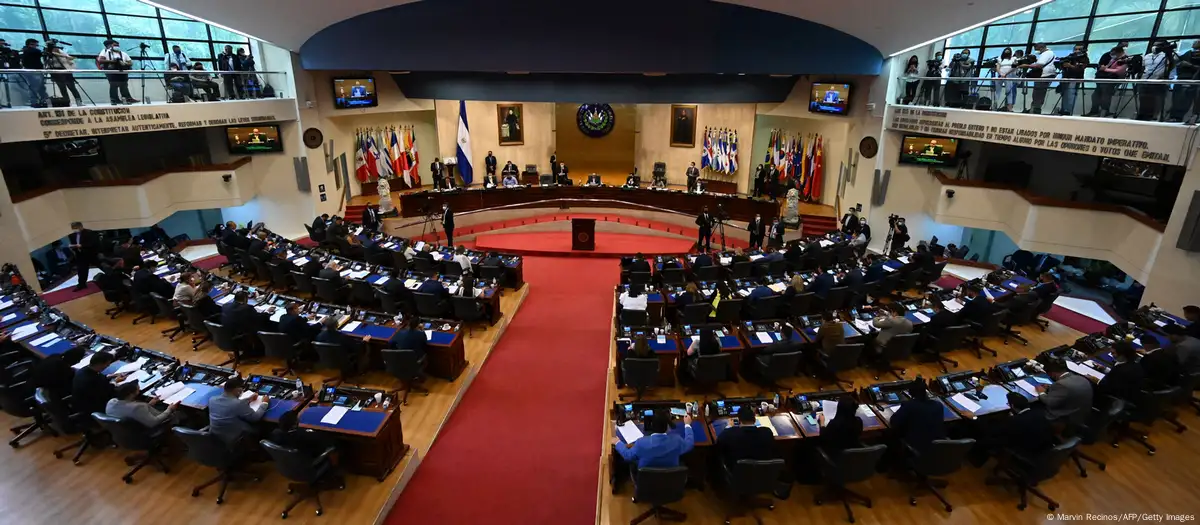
column 116, row 48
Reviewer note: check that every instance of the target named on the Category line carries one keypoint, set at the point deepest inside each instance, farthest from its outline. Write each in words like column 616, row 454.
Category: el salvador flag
column 464, row 144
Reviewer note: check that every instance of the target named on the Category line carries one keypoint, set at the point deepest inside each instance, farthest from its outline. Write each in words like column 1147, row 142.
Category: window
column 188, row 30
column 1024, row 16
column 81, row 45
column 1060, row 31
column 1174, row 4
column 16, row 40
column 135, row 26
column 201, row 51
column 79, row 5
column 27, row 18
column 1065, row 9
column 973, row 37
column 1179, row 23
column 1009, row 34
column 74, row 22
column 229, row 36
column 19, row 2
column 1109, row 7
column 1123, row 27
column 128, row 7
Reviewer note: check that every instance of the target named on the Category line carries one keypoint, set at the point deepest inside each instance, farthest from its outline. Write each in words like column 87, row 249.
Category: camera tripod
column 54, row 85
column 145, row 60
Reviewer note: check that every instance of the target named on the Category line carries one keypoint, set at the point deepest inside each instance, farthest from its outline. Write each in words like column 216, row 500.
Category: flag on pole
column 818, row 170
column 360, row 160
column 733, row 162
column 384, row 157
column 706, row 153
column 399, row 159
column 415, row 165
column 464, row 145
column 776, row 151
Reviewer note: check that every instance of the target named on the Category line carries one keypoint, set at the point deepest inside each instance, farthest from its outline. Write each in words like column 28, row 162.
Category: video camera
column 989, row 63
column 892, row 220
column 54, row 42
column 9, row 58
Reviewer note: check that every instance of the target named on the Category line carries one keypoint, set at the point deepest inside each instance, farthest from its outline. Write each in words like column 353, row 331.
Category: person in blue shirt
column 820, row 284
column 329, row 331
column 411, row 337
column 658, row 449
column 773, row 255
column 435, row 288
column 875, row 269
column 761, row 291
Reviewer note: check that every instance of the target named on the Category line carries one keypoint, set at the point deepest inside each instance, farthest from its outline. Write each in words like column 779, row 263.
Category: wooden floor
column 1133, row 483
column 36, row 488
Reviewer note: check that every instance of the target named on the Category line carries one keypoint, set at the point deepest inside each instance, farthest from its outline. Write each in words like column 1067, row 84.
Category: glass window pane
column 188, row 30
column 136, row 26
column 1010, row 34
column 81, row 45
column 1108, row 7
column 16, row 40
column 1172, row 4
column 86, row 63
column 229, row 36
column 1065, row 9
column 973, row 37
column 19, row 2
column 1123, row 27
column 168, row 14
column 1060, row 31
column 128, row 7
column 195, row 50
column 73, row 22
column 1180, row 23
column 20, row 18
column 1024, row 16
column 82, row 5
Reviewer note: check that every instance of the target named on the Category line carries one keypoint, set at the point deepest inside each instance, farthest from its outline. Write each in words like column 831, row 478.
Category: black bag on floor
column 60, row 102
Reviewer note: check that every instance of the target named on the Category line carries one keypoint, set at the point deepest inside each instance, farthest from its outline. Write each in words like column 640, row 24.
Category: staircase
column 354, row 213
column 818, row 225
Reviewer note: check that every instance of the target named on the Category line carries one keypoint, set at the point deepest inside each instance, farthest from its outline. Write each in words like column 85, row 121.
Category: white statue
column 791, row 213
column 385, row 196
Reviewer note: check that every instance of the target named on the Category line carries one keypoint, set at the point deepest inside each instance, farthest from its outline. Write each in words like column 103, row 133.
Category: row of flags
column 720, row 153
column 800, row 161
column 387, row 153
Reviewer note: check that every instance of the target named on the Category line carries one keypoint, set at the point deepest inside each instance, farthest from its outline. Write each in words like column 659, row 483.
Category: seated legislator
column 1191, row 312
column 634, row 299
column 593, row 180
column 91, row 389
column 510, row 170
column 831, row 333
column 1069, row 398
column 289, row 434
column 435, row 288
column 55, row 373
column 773, row 255
column 1125, row 380
column 852, row 279
column 241, row 318
column 702, row 259
column 145, row 282
column 332, row 273
column 786, row 343
column 563, row 177
column 1028, row 432
column 1046, row 286
column 258, row 246
column 821, row 284
column 510, row 180
column 320, row 223
column 844, row 430
column 460, row 257
column 411, row 337
column 976, row 306
column 633, row 180
column 329, row 331
column 658, row 448
column 639, row 264
column 233, row 238
column 230, row 418
column 706, row 343
column 690, row 295
column 891, row 322
column 490, row 181
column 126, row 406
column 875, row 270
column 187, row 291
column 1187, row 349
column 295, row 325
column 745, row 440
column 942, row 319
column 1161, row 365
column 762, row 291
column 919, row 420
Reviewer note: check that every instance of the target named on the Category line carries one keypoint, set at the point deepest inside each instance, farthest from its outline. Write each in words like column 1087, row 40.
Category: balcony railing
column 1148, row 100
column 25, row 88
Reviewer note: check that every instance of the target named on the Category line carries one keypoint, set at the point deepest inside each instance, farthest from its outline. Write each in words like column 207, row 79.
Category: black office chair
column 708, row 273
column 429, row 305
column 773, row 367
column 195, row 324
column 281, row 346
column 741, row 270
column 304, row 283
column 1096, row 427
column 404, row 365
column 898, row 348
column 729, row 310
column 852, row 465
column 801, row 304
column 639, row 277
column 309, row 475
column 228, row 341
column 658, row 487
column 634, row 317
column 336, row 357
column 261, row 269
column 950, row 339
column 168, row 311
column 450, row 267
column 383, row 258
column 992, row 326
column 707, row 372
column 17, row 401
column 224, row 250
column 281, row 276
column 468, row 310
column 329, row 291
column 1151, row 407
column 942, row 458
column 1023, row 314
column 1026, row 473
column 1044, row 308
column 62, row 422
column 118, row 296
column 207, row 449
column 388, row 303
column 423, row 266
column 765, row 308
column 845, row 357
column 776, row 268
column 930, row 276
column 131, row 435
column 492, row 274
column 142, row 304
column 249, row 270
column 696, row 313
column 362, row 293
column 672, row 276
column 1188, row 384
column 640, row 374
column 836, row 298
column 747, row 481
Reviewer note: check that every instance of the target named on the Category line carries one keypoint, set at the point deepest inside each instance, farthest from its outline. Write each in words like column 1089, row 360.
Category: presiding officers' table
column 739, row 208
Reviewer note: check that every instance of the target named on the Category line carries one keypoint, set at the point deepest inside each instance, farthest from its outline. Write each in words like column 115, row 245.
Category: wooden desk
column 371, row 439
column 447, row 353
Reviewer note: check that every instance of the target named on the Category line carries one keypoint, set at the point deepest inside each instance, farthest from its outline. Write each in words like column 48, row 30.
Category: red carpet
column 559, row 243
column 689, row 232
column 523, row 445
column 1057, row 313
column 69, row 294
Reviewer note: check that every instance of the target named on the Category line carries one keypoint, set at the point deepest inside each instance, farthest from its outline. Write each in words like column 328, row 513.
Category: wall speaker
column 300, row 165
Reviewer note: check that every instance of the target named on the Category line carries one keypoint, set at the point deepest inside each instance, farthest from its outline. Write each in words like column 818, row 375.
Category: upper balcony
column 104, row 103
column 1142, row 120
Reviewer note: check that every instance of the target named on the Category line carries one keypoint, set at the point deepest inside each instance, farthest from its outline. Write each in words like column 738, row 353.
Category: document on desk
column 254, row 405
column 863, row 326
column 24, row 331
column 136, row 376
column 888, row 411
column 179, row 395
column 1027, row 387
column 5, row 304
column 345, row 272
column 1084, row 370
column 662, row 339
column 921, row 317
column 359, row 274
column 358, row 231
column 411, row 284
column 428, row 335
column 1137, row 341
column 630, row 432
column 829, row 408
column 334, row 416
column 8, row 318
column 453, row 289
column 162, row 270
column 168, row 390
column 351, row 326
column 225, row 300
column 83, row 362
column 382, row 280
column 764, row 338
column 756, row 257
column 43, row 339
column 420, row 245
column 301, row 261
column 275, row 317
column 903, row 259
column 965, row 402
column 136, row 365
column 864, row 411
column 778, row 287
column 887, row 268
column 765, row 422
column 744, row 293
column 725, row 261
column 1160, row 324
column 953, row 305
column 824, row 243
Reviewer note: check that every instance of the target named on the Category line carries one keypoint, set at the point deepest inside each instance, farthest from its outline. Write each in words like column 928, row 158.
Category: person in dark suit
column 707, row 343
column 820, row 284
column 490, row 181
column 86, row 244
column 744, row 440
column 241, row 318
column 919, row 420
column 337, row 229
column 438, row 170
column 55, row 372
column 1124, row 381
column 489, row 164
column 1069, row 398
column 204, row 303
column 321, row 222
column 435, row 288
column 875, row 270
column 787, row 342
column 942, row 319
column 233, row 238
column 923, row 259
column 332, row 272
column 772, row 255
column 290, row 435
column 776, row 233
column 831, row 333
column 702, row 260
column 1187, row 348
column 448, row 223
column 130, row 254
column 853, row 279
column 258, row 246
column 1191, row 312
column 976, row 306
column 761, row 291
column 850, row 222
column 899, row 235
column 312, row 268
column 411, row 337
column 639, row 264
column 91, row 389
column 758, row 231
column 738, row 257
column 295, row 325
column 844, row 430
column 1028, row 432
column 693, row 174
column 1161, row 365
column 705, row 223
column 371, row 219
column 145, row 282
column 58, row 259
column 329, row 331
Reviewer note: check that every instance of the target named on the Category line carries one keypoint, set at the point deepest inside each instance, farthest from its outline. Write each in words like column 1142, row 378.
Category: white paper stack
column 863, row 326
column 829, row 408
column 301, row 261
column 45, row 340
column 744, row 293
column 5, row 304
column 764, row 338
column 275, row 317
column 136, row 376
column 903, row 259
column 24, row 331
column 382, row 280
column 8, row 318
column 87, row 359
column 921, row 317
column 359, row 274
column 334, row 415
column 630, row 432
column 887, row 268
column 755, row 257
column 778, row 287
column 1084, row 370
column 765, row 422
column 953, row 305
column 134, row 366
column 825, row 243
column 1028, row 388
column 429, row 334
column 179, row 395
column 351, row 326
column 168, row 390
column 725, row 261
column 965, row 402
column 411, row 284
column 453, row 289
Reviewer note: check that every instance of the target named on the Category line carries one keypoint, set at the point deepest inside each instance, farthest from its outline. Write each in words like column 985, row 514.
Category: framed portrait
column 510, row 119
column 683, row 126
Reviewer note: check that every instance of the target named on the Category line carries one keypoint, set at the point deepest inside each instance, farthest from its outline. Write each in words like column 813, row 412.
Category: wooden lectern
column 583, row 234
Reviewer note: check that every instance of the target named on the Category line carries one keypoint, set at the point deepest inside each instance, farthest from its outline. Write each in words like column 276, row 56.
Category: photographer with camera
column 1158, row 64
column 1043, row 68
column 899, row 233
column 1114, row 67
column 58, row 60
column 31, row 58
column 933, row 70
column 1073, row 66
column 113, row 59
column 961, row 66
column 1186, row 68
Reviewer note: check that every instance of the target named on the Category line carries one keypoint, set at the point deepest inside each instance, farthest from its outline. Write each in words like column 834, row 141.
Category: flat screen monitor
column 930, row 151
column 245, row 140
column 832, row 99
column 351, row 93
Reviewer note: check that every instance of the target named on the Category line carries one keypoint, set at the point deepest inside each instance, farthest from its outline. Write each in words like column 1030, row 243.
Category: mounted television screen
column 833, row 99
column 350, row 93
column 244, row 140
column 931, row 151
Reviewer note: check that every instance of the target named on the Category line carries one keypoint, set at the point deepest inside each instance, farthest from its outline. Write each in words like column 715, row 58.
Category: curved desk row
column 739, row 208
